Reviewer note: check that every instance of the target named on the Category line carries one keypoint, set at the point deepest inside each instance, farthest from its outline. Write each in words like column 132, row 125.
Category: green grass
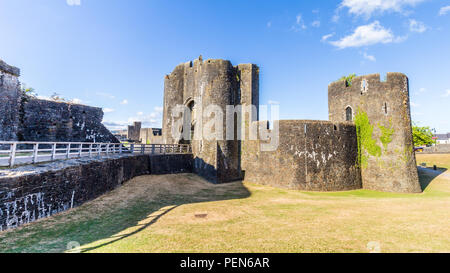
column 158, row 214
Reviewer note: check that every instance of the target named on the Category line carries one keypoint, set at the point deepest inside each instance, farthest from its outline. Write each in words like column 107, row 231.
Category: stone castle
column 367, row 143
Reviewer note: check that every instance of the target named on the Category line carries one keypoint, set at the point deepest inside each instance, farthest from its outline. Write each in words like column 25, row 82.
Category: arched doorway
column 190, row 103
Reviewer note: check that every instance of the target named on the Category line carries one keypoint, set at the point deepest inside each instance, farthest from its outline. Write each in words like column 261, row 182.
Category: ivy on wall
column 386, row 134
column 367, row 145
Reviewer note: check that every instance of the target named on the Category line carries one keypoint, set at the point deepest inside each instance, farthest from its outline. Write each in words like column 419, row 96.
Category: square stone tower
column 381, row 111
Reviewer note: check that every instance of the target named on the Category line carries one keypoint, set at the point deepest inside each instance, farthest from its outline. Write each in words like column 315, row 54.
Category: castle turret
column 10, row 96
column 203, row 87
column 381, row 111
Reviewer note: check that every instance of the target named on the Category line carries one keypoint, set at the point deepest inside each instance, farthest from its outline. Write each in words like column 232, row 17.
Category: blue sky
column 114, row 53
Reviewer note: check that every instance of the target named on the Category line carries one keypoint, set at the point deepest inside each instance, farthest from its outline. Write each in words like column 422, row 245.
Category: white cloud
column 73, row 2
column 446, row 94
column 444, row 10
column 335, row 18
column 421, row 90
column 105, row 95
column 326, row 37
column 367, row 35
column 369, row 57
column 269, row 24
column 414, row 104
column 316, row 23
column 113, row 125
column 124, row 102
column 416, row 26
column 108, row 110
column 369, row 7
column 76, row 101
column 273, row 102
column 299, row 23
column 154, row 119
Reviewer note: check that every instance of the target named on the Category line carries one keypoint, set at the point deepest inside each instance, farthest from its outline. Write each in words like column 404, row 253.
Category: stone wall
column 27, row 195
column 43, row 120
column 387, row 156
column 163, row 164
column 10, row 98
column 26, row 118
column 438, row 149
column 312, row 156
column 151, row 136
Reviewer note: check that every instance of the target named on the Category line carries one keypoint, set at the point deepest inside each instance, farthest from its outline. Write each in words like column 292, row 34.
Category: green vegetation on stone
column 367, row 145
column 386, row 134
column 348, row 79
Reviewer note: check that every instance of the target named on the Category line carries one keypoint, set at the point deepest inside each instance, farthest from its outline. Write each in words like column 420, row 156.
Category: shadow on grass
column 427, row 175
column 110, row 224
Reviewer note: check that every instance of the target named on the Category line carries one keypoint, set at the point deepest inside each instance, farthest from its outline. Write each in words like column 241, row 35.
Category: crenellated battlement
column 390, row 79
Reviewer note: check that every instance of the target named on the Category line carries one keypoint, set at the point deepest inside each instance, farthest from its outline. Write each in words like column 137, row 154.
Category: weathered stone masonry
column 10, row 98
column 388, row 162
column 26, row 118
column 313, row 155
column 25, row 198
column 197, row 85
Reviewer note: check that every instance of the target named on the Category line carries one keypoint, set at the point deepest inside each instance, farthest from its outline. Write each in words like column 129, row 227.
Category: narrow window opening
column 349, row 114
column 385, row 108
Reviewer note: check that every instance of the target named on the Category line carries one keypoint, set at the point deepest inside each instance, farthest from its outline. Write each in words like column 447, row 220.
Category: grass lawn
column 184, row 213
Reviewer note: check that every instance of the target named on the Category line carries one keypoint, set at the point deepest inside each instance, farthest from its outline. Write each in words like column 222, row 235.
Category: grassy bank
column 184, row 213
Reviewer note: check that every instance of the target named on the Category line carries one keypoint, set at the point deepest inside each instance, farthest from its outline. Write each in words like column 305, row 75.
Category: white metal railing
column 25, row 152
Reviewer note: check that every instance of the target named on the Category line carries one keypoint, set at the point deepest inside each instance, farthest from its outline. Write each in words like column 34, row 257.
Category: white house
column 443, row 138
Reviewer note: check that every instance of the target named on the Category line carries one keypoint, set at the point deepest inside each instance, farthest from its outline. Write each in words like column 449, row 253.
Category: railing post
column 107, row 149
column 90, row 150
column 80, row 151
column 68, row 150
column 120, row 148
column 12, row 156
column 53, row 151
column 153, row 149
column 132, row 148
column 35, row 152
column 142, row 148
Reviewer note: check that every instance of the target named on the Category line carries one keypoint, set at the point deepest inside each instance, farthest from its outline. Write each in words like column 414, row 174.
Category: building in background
column 137, row 134
column 443, row 138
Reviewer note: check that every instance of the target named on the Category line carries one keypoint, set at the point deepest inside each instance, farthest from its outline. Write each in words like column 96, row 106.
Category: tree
column 348, row 79
column 422, row 136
